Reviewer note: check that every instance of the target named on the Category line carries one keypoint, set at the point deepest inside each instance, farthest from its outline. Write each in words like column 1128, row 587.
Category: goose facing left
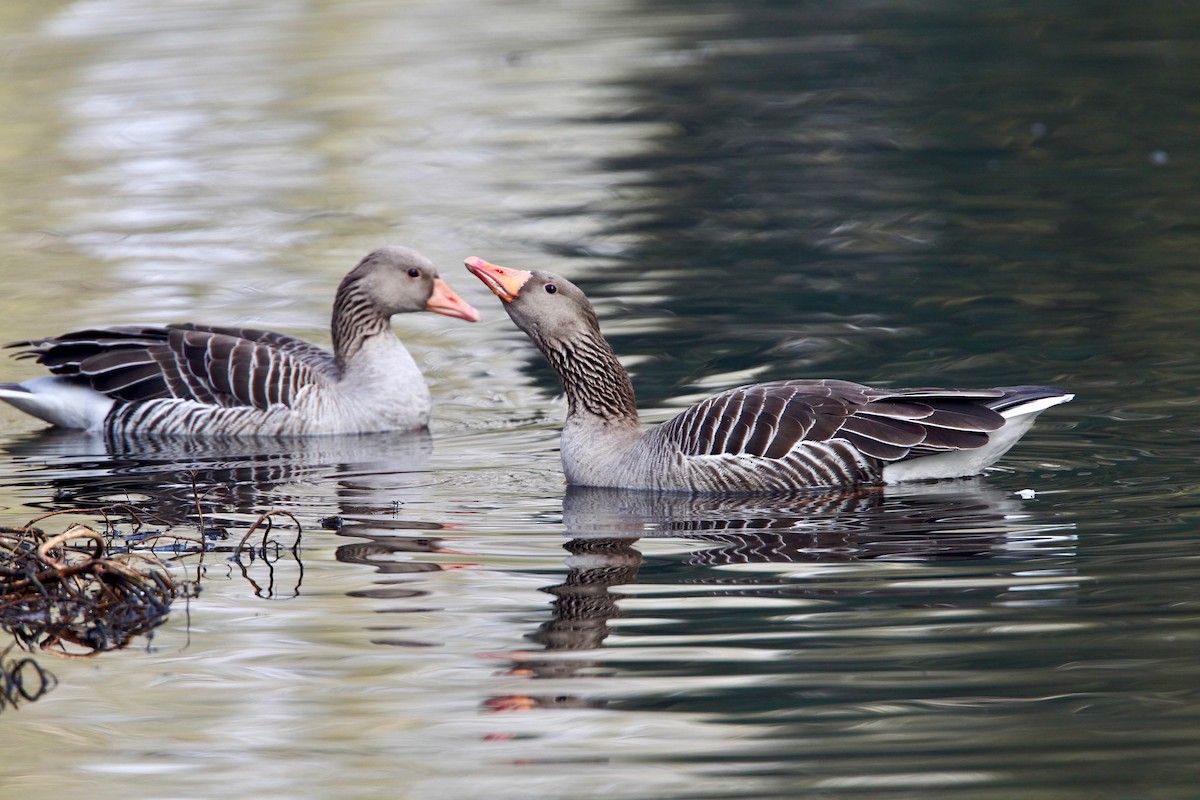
column 205, row 380
column 764, row 437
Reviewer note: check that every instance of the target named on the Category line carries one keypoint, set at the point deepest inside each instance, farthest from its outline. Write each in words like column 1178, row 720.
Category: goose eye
column 414, row 273
column 551, row 288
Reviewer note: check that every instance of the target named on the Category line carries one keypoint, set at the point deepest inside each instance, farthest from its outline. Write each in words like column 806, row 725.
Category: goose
column 211, row 381
column 765, row 437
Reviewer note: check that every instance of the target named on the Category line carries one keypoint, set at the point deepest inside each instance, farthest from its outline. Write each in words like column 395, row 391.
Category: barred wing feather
column 212, row 365
column 771, row 420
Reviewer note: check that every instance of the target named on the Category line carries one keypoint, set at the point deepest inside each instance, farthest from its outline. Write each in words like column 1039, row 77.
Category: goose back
column 825, row 433
column 203, row 363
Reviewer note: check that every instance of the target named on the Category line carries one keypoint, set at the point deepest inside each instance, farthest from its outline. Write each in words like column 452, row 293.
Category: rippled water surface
column 897, row 193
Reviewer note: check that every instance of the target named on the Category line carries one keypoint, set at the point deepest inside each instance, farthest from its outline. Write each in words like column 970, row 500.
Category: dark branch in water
column 87, row 590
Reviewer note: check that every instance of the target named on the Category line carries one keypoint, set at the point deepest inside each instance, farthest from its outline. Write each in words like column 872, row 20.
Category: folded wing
column 212, row 365
column 771, row 420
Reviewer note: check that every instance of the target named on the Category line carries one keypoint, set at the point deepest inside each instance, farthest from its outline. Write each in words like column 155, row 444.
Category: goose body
column 213, row 381
column 764, row 437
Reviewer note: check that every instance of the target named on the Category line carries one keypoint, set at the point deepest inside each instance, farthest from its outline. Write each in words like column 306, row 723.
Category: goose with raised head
column 211, row 381
column 765, row 437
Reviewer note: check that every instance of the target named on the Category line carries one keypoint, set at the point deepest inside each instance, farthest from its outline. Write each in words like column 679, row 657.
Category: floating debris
column 85, row 591
column 76, row 594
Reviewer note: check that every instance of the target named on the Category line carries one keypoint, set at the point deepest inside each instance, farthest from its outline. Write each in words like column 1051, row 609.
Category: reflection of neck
column 592, row 377
column 583, row 604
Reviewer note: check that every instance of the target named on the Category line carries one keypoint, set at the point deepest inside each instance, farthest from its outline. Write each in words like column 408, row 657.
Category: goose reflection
column 940, row 521
column 226, row 481
column 931, row 523
column 178, row 477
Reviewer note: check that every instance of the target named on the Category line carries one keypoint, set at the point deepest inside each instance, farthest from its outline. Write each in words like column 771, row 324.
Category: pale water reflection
column 895, row 193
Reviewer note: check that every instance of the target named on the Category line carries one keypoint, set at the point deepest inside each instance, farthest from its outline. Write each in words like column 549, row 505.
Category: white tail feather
column 59, row 402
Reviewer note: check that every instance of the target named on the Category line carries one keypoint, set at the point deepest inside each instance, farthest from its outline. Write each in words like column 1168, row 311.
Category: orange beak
column 445, row 301
column 505, row 282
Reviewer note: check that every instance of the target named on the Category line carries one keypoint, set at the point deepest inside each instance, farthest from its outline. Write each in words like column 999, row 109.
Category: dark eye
column 414, row 273
column 551, row 288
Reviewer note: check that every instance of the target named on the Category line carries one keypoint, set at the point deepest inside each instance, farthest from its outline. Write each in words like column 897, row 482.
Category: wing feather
column 740, row 426
column 207, row 364
column 763, row 425
column 732, row 408
column 901, row 433
column 773, row 420
column 963, row 416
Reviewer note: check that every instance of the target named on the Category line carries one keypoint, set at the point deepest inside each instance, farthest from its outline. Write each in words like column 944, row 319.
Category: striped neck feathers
column 593, row 378
column 356, row 318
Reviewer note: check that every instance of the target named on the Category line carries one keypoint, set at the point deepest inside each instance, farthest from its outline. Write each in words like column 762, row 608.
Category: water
column 902, row 194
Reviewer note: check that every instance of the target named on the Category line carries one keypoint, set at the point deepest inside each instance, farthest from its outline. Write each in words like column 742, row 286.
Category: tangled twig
column 264, row 551
column 84, row 591
column 73, row 596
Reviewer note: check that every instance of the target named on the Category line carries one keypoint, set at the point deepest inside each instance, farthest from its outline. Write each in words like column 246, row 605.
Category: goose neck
column 595, row 383
column 356, row 318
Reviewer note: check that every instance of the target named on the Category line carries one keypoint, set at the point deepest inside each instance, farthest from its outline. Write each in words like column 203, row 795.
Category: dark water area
column 940, row 171
column 896, row 193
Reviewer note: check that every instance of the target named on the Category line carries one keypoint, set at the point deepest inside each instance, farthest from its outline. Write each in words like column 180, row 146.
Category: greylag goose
column 764, row 437
column 204, row 380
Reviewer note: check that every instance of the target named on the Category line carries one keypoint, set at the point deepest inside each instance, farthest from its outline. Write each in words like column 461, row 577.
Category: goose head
column 547, row 307
column 398, row 280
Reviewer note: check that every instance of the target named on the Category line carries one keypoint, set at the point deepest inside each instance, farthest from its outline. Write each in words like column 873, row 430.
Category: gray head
column 548, row 307
column 397, row 280
column 556, row 315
